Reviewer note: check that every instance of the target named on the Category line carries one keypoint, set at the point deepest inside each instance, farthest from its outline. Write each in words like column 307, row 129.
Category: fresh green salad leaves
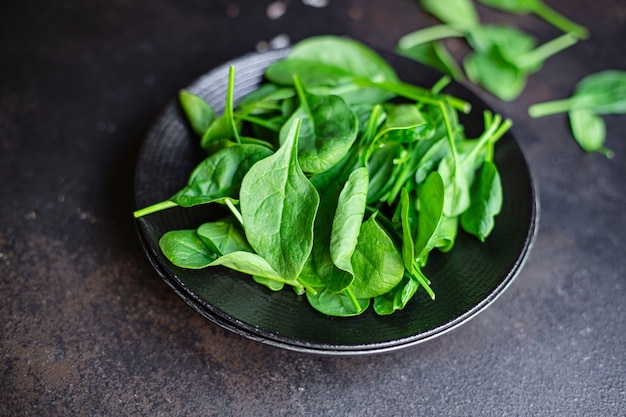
column 595, row 95
column 339, row 180
column 501, row 57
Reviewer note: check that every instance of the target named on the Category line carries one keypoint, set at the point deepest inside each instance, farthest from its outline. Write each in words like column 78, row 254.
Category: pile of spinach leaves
column 339, row 179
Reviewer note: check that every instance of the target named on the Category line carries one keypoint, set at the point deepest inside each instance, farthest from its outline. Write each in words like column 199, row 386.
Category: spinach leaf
column 278, row 206
column 486, row 203
column 427, row 46
column 248, row 263
column 197, row 111
column 378, row 267
column 589, row 131
column 542, row 10
column 602, row 93
column 457, row 13
column 334, row 62
column 503, row 61
column 225, row 126
column 185, row 249
column 597, row 94
column 397, row 298
column 337, row 304
column 223, row 236
column 431, row 197
column 348, row 218
column 328, row 129
column 217, row 177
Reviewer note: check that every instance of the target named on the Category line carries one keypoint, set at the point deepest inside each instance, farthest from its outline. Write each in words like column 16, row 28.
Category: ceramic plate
column 466, row 280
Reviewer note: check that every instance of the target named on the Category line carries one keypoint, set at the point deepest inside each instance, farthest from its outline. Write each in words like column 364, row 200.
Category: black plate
column 466, row 280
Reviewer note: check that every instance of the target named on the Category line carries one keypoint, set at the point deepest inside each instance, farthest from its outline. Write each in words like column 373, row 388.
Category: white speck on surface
column 276, row 9
column 280, row 41
column 316, row 3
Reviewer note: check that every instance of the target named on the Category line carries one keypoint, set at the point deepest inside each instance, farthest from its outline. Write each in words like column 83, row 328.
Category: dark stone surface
column 88, row 328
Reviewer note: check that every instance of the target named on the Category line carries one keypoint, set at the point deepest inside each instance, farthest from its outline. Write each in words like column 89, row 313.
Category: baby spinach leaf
column 494, row 73
column 408, row 223
column 457, row 13
column 330, row 61
column 486, row 203
column 248, row 263
column 542, row 10
column 185, row 249
column 198, row 112
column 225, row 126
column 397, row 298
column 431, row 197
column 220, row 175
column 602, row 93
column 328, row 129
column 348, row 218
column 404, row 124
column 333, row 278
column 378, row 267
column 446, row 233
column 589, row 131
column 345, row 54
column 336, row 304
column 223, row 236
column 278, row 206
column 214, row 179
column 272, row 284
column 381, row 165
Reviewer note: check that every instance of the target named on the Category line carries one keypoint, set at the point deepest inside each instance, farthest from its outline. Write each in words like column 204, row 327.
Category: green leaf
column 408, row 222
column 431, row 196
column 458, row 13
column 494, row 73
column 589, row 131
column 336, row 304
column 248, row 263
column 602, row 93
column 198, row 112
column 328, row 129
column 224, row 236
column 486, row 203
column 329, row 65
column 540, row 9
column 348, row 218
column 185, row 249
column 397, row 298
column 225, row 126
column 219, row 176
column 378, row 267
column 278, row 206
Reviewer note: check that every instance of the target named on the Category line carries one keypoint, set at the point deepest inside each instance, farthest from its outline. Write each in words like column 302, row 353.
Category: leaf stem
column 230, row 103
column 414, row 93
column 355, row 303
column 233, row 210
column 551, row 107
column 423, row 280
column 429, row 34
column 545, row 51
column 163, row 205
column 559, row 21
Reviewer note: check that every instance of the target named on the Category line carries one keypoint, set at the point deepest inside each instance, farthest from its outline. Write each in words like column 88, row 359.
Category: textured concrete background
column 88, row 328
